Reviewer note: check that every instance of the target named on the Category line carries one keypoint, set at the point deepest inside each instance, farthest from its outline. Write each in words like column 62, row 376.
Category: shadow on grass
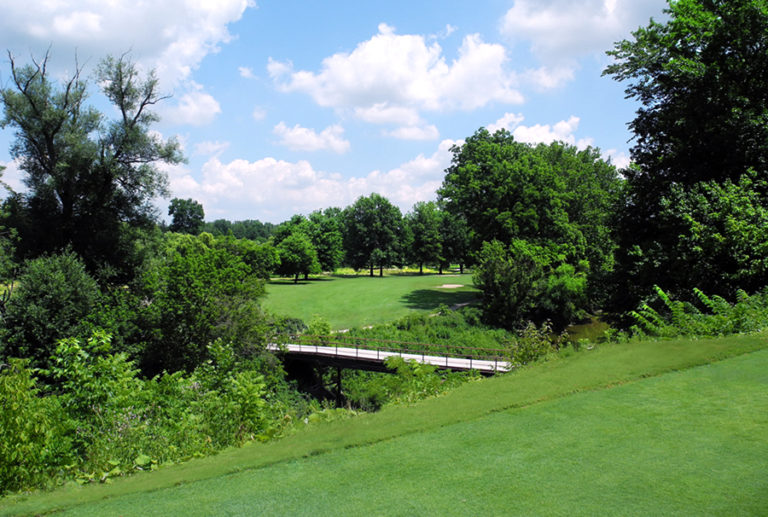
column 426, row 299
column 289, row 281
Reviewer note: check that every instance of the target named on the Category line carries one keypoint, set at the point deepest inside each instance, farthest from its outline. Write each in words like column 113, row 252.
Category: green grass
column 549, row 439
column 347, row 302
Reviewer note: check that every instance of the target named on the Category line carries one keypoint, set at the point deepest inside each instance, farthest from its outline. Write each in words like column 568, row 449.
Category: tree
column 86, row 176
column 424, row 223
column 324, row 230
column 700, row 78
column 187, row 216
column 54, row 297
column 372, row 225
column 297, row 256
column 196, row 294
column 555, row 199
column 454, row 240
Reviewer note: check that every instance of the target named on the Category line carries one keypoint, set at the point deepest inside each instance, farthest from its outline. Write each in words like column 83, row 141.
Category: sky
column 285, row 107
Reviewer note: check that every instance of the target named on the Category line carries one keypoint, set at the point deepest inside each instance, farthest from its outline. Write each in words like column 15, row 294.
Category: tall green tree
column 372, row 225
column 325, row 232
column 700, row 78
column 297, row 256
column 187, row 216
column 87, row 176
column 454, row 240
column 424, row 223
column 553, row 202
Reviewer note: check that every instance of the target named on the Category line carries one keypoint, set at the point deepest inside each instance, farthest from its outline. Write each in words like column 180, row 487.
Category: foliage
column 454, row 240
column 85, row 175
column 424, row 223
column 101, row 420
column 187, row 216
column 194, row 296
column 410, row 382
column 701, row 132
column 700, row 79
column 297, row 256
column 53, row 298
column 325, row 231
column 263, row 259
column 33, row 441
column 715, row 237
column 718, row 318
column 371, row 228
column 551, row 205
column 248, row 229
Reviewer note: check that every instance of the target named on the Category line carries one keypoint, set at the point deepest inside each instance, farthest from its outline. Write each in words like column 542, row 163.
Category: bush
column 54, row 297
column 33, row 441
column 720, row 317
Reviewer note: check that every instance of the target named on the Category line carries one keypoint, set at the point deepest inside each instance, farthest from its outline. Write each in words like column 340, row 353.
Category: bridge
column 371, row 354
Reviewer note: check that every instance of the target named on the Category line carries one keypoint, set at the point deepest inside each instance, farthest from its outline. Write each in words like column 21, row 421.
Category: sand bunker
column 450, row 286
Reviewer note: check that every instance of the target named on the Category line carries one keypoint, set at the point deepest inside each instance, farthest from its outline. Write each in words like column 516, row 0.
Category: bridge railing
column 499, row 357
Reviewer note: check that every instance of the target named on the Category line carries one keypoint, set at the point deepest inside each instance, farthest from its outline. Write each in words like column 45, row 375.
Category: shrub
column 33, row 441
column 720, row 317
column 54, row 296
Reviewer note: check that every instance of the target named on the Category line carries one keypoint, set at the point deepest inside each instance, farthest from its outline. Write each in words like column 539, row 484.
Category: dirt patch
column 450, row 286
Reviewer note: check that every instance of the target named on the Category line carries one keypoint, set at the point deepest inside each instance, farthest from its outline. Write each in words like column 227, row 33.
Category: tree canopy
column 372, row 226
column 701, row 128
column 187, row 216
column 86, row 175
column 548, row 208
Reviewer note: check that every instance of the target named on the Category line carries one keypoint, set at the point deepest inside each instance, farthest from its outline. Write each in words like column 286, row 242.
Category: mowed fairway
column 605, row 432
column 347, row 302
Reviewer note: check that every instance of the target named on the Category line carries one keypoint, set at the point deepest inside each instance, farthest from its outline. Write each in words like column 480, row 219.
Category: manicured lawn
column 357, row 301
column 623, row 429
column 687, row 443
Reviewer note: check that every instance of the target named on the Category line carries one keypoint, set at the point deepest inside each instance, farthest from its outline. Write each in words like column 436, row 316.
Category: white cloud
column 209, row 148
column 273, row 190
column 195, row 108
column 382, row 113
column 563, row 30
column 546, row 78
column 259, row 113
column 172, row 36
column 618, row 158
column 305, row 139
column 393, row 76
column 246, row 72
column 414, row 133
column 562, row 131
column 11, row 176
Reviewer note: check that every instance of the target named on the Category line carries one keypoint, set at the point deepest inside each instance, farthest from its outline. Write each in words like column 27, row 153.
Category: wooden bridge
column 370, row 354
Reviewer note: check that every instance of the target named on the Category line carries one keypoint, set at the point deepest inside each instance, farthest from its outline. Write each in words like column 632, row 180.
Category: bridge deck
column 364, row 355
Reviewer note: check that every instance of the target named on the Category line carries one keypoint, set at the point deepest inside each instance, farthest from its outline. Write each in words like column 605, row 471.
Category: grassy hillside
column 356, row 301
column 549, row 438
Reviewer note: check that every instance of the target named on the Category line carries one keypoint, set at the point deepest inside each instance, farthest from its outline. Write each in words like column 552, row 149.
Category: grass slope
column 512, row 444
column 348, row 302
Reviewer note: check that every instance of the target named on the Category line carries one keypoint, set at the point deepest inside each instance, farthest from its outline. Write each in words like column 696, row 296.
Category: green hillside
column 623, row 429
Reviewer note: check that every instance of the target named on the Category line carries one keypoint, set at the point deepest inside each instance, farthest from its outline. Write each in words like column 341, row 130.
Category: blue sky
column 285, row 107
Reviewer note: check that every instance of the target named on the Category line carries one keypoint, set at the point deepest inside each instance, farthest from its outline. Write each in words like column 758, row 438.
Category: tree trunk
column 461, row 268
column 371, row 268
column 296, row 279
column 421, row 268
column 381, row 270
column 440, row 269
